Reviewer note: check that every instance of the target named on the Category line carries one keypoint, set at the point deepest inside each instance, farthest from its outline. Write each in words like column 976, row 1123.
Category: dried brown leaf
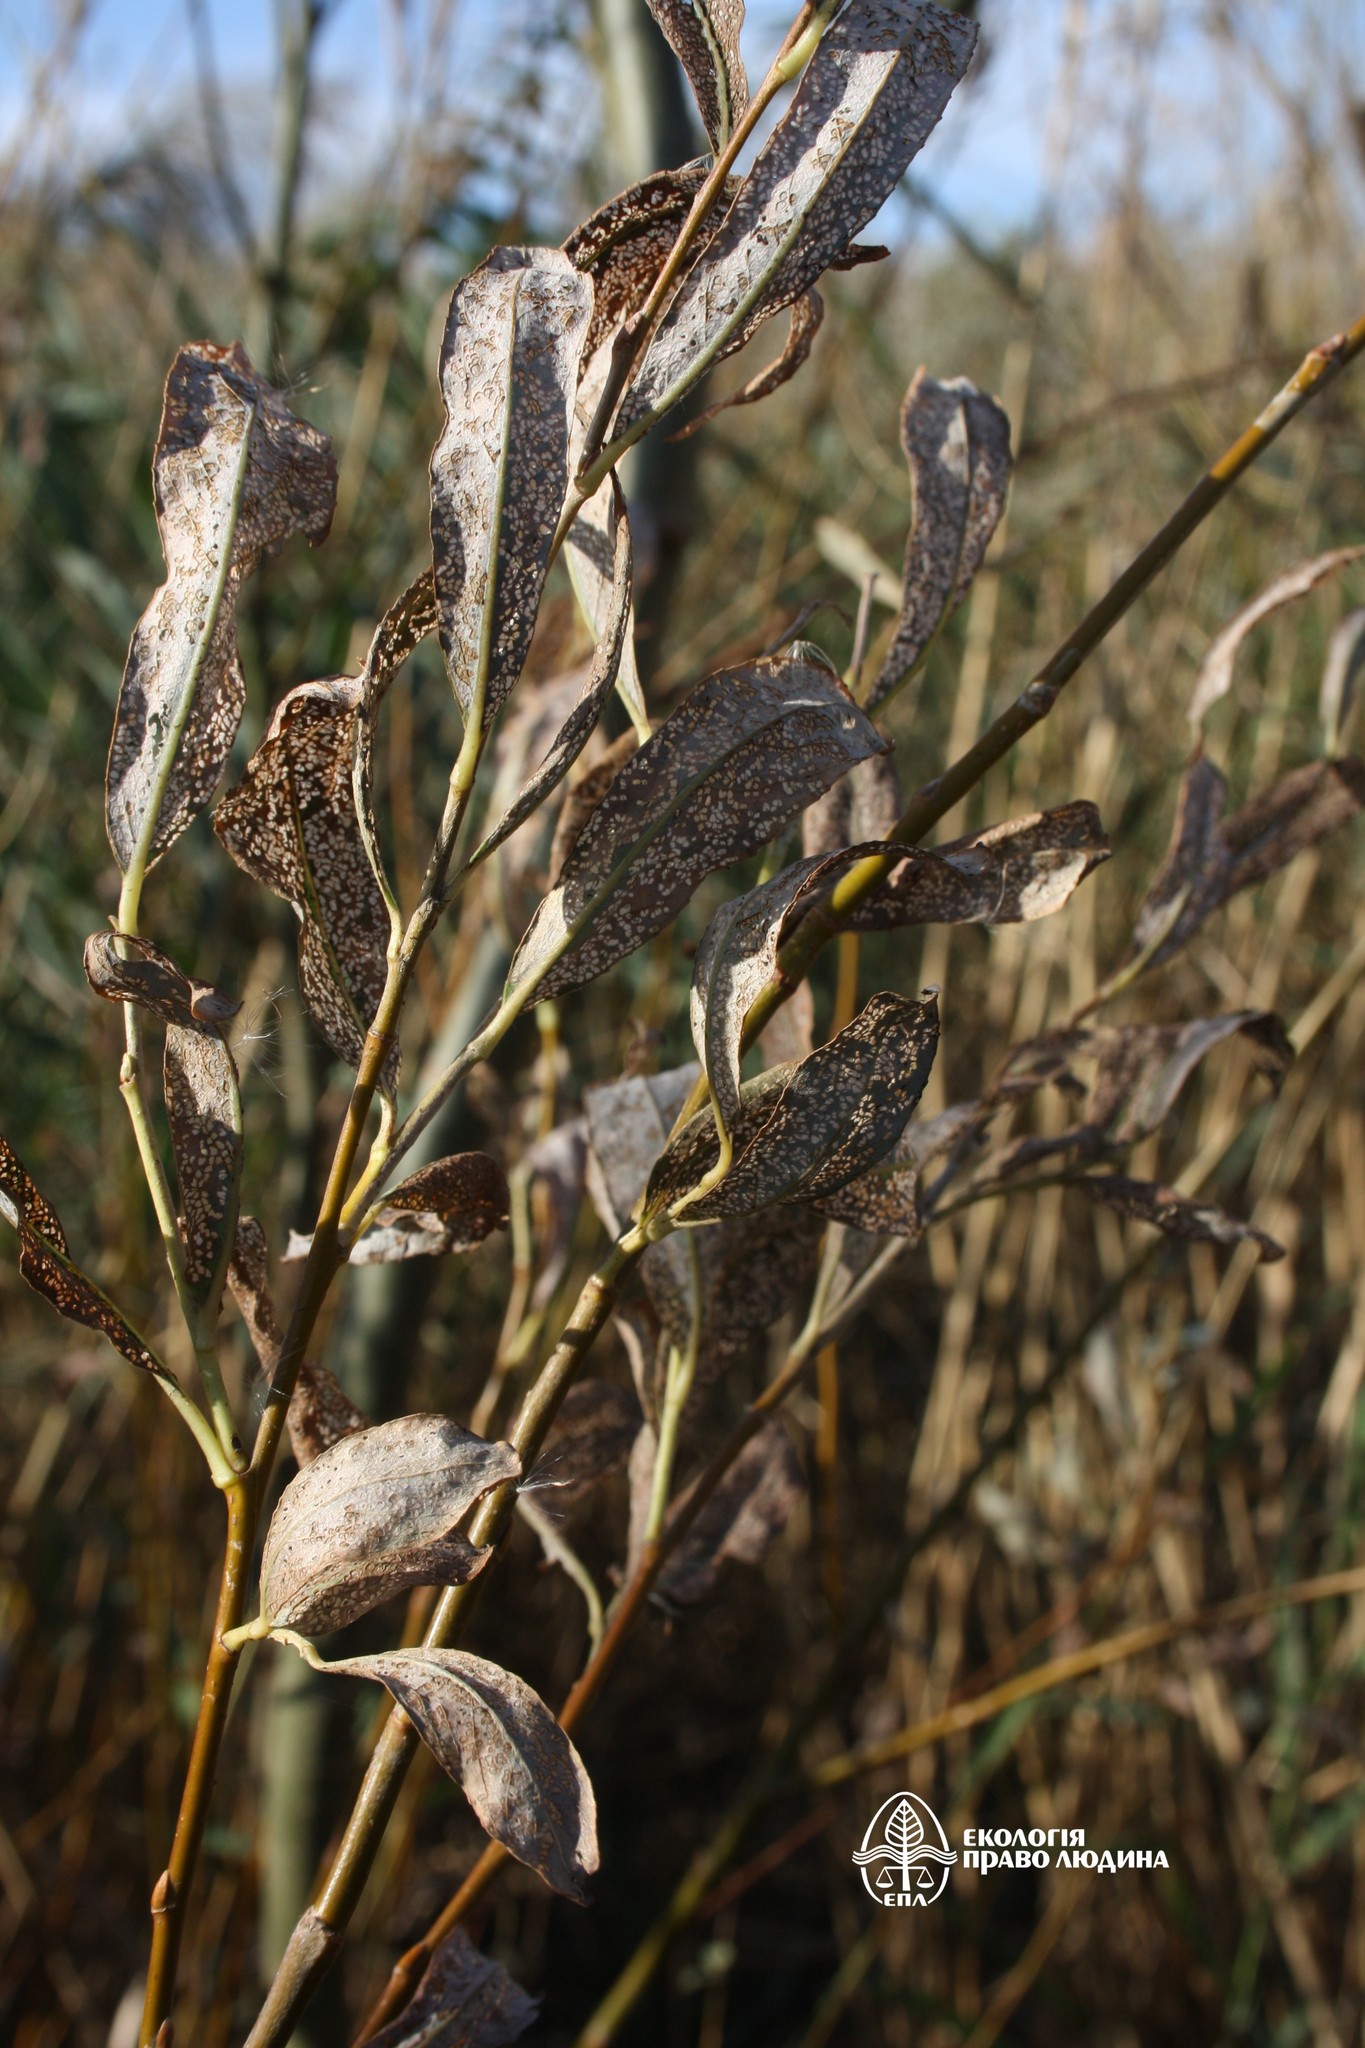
column 704, row 35
column 45, row 1264
column 1212, row 856
column 1139, row 1071
column 292, row 822
column 743, row 753
column 1009, row 874
column 234, row 476
column 1215, row 671
column 465, row 2000
column 742, row 1519
column 735, row 961
column 957, row 443
column 884, row 1201
column 1176, row 1215
column 577, row 728
column 497, row 1738
column 122, row 968
column 467, row 1190
column 499, row 472
column 867, row 102
column 801, row 1133
column 374, row 1515
column 625, row 244
column 320, row 1412
column 200, row 1081
column 449, row 1206
column 743, row 1277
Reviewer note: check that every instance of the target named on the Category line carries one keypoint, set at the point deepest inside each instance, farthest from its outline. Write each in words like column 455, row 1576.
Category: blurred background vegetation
column 1137, row 220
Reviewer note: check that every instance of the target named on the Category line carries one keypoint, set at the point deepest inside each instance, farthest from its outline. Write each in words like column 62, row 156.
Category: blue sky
column 1215, row 123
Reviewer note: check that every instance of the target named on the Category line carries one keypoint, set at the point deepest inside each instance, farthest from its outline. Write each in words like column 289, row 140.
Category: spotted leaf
column 741, row 755
column 509, row 369
column 704, row 35
column 801, row 1133
column 45, row 1263
column 294, row 824
column 1176, row 1215
column 867, row 101
column 957, row 443
column 234, row 475
column 496, row 1737
column 375, row 1514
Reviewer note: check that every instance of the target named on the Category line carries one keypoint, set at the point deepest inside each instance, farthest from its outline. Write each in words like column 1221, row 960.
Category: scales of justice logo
column 905, row 1858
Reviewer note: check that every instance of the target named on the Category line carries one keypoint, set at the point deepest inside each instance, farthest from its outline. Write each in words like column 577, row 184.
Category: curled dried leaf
column 957, row 443
column 509, row 369
column 374, row 1515
column 801, row 1133
column 45, row 1264
column 234, row 475
column 497, row 1738
column 1176, row 1215
column 1211, row 856
column 1008, row 874
column 320, row 1412
column 449, row 1206
column 744, row 1516
column 867, row 102
column 625, row 244
column 746, row 751
column 293, row 823
column 467, row 1190
column 465, row 2000
column 1215, row 671
column 122, row 969
column 735, row 961
column 200, row 1083
column 704, row 35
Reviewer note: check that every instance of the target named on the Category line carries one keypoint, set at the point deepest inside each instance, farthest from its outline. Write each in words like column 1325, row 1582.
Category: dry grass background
column 1201, row 1436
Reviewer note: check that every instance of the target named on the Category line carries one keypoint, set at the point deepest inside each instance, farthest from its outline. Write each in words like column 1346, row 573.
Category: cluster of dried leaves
column 545, row 364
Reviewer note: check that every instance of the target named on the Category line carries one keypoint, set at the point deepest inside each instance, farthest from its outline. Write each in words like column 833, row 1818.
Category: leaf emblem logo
column 905, row 1858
